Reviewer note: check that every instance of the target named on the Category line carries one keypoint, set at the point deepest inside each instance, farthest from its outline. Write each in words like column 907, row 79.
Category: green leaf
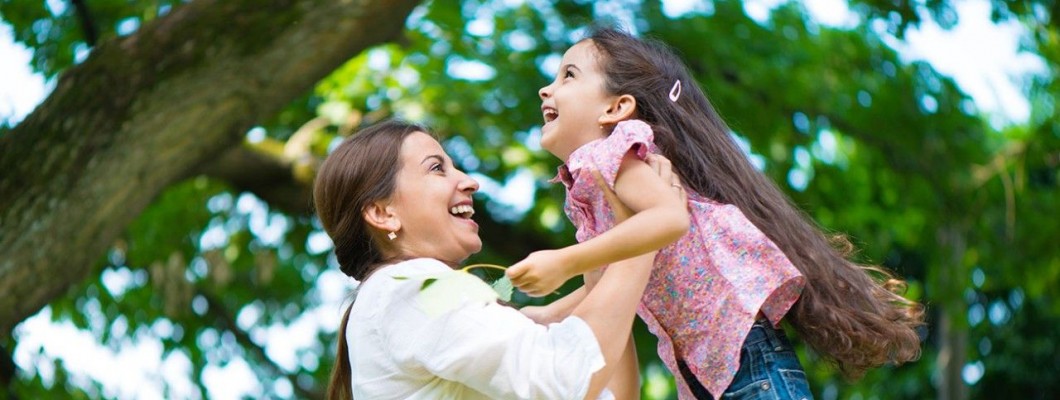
column 444, row 291
column 504, row 288
column 427, row 283
column 453, row 289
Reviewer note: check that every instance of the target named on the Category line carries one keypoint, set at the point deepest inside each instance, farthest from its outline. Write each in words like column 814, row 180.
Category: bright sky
column 992, row 75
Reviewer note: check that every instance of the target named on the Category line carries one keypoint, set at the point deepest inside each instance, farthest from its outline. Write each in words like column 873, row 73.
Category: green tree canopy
column 161, row 191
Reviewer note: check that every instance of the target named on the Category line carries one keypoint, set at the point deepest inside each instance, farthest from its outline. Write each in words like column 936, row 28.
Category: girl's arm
column 661, row 217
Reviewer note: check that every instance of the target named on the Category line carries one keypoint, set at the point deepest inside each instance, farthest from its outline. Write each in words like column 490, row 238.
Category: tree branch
column 218, row 310
column 271, row 178
column 145, row 109
column 88, row 25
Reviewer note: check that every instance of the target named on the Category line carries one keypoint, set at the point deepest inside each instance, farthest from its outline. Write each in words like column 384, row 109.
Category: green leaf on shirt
column 504, row 288
column 443, row 291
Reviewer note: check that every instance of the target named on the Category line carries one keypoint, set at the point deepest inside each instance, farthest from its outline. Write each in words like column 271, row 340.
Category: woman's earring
column 392, row 235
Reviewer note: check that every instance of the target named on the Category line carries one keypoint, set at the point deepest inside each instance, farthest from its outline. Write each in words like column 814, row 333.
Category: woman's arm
column 609, row 309
column 625, row 384
column 557, row 310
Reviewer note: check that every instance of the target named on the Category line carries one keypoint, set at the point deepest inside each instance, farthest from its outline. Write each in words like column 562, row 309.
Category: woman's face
column 432, row 201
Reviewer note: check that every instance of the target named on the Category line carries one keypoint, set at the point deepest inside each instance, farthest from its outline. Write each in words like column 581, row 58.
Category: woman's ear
column 380, row 216
column 622, row 108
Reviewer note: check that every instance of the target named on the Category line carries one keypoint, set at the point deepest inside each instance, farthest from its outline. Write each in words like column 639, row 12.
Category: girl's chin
column 548, row 141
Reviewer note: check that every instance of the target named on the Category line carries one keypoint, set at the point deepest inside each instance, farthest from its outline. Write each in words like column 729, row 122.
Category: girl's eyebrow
column 567, row 66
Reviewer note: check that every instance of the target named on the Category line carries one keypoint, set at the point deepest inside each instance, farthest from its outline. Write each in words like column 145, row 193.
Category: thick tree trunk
column 144, row 110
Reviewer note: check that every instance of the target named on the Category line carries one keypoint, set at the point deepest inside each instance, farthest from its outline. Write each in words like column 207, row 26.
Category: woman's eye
column 437, row 167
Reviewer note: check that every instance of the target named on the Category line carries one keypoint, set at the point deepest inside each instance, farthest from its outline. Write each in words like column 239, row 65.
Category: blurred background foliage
column 891, row 153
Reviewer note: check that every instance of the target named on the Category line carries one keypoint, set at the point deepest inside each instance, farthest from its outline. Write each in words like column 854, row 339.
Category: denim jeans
column 769, row 369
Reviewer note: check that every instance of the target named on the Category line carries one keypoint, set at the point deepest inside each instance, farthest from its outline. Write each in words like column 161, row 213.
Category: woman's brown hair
column 851, row 314
column 361, row 170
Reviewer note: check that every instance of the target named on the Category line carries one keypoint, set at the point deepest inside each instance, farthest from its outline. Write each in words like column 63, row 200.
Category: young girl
column 750, row 258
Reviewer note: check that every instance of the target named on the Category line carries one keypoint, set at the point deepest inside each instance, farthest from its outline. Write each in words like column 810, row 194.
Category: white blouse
column 476, row 351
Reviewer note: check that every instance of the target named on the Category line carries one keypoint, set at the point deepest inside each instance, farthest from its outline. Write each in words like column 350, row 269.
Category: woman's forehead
column 419, row 145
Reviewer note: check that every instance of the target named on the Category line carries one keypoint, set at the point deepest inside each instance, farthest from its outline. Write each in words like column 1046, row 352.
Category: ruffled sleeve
column 585, row 204
column 606, row 155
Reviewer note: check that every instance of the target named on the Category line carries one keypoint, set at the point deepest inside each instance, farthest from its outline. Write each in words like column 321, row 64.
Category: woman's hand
column 662, row 167
column 538, row 314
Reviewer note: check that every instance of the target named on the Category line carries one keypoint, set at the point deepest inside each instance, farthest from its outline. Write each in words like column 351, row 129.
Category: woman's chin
column 474, row 248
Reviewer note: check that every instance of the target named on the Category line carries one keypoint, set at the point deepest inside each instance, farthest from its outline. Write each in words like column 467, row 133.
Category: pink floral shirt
column 707, row 288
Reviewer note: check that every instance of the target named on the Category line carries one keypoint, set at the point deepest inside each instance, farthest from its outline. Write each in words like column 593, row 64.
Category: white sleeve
column 497, row 351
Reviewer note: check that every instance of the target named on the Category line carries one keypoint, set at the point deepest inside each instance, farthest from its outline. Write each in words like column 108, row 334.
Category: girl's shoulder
column 632, row 130
column 606, row 153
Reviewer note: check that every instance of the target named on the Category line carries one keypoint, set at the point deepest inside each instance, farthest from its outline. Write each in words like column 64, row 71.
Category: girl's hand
column 541, row 273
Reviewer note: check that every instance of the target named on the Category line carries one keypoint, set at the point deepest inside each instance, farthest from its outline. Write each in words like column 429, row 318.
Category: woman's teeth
column 464, row 211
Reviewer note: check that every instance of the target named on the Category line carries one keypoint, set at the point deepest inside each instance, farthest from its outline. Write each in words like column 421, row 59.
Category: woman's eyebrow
column 434, row 156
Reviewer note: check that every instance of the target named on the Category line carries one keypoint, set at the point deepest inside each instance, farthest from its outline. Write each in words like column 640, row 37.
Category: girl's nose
column 544, row 92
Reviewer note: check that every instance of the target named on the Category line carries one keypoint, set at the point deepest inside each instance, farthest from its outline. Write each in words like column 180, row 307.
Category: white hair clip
column 675, row 92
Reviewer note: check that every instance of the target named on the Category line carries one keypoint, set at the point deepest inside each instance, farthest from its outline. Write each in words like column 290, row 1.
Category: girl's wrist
column 575, row 260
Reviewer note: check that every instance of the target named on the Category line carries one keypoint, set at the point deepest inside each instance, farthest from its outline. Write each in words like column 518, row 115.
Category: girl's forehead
column 584, row 48
column 583, row 54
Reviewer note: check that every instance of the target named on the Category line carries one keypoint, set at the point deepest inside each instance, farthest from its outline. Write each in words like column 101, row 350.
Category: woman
column 396, row 207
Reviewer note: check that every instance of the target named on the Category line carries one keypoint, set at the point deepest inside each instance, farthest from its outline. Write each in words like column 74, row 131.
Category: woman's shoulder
column 416, row 265
column 394, row 279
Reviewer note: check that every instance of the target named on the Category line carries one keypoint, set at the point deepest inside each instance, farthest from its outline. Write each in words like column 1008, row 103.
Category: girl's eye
column 568, row 74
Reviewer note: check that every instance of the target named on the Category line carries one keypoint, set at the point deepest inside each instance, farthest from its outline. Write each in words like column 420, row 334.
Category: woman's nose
column 468, row 184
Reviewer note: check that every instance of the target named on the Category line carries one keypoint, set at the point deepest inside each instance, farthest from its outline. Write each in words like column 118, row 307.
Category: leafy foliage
column 892, row 154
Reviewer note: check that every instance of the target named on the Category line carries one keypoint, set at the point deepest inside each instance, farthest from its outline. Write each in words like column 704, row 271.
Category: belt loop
column 773, row 336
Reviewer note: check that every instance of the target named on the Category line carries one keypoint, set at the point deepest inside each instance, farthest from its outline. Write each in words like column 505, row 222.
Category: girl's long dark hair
column 361, row 170
column 851, row 314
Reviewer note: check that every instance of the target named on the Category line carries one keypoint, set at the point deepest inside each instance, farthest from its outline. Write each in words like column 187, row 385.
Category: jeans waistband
column 763, row 331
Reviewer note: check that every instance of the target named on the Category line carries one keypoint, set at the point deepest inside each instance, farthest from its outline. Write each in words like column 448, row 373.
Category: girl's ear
column 622, row 108
column 381, row 216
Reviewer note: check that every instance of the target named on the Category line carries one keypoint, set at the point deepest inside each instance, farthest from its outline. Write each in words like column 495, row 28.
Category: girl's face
column 432, row 201
column 574, row 102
